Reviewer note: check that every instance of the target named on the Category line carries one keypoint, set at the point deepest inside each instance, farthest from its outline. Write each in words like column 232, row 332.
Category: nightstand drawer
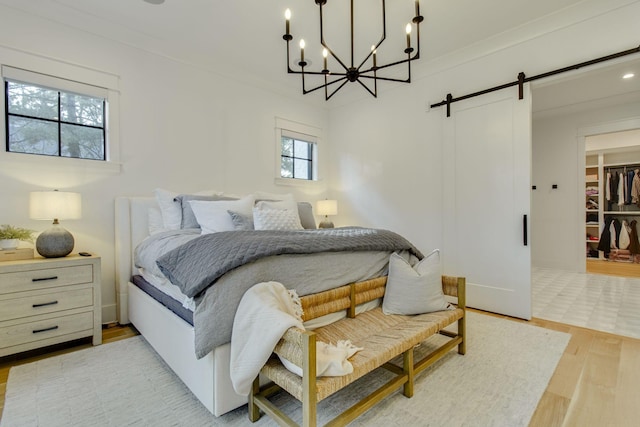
column 45, row 278
column 20, row 307
column 45, row 329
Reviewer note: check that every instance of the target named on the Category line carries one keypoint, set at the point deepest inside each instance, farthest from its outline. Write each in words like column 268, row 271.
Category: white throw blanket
column 264, row 314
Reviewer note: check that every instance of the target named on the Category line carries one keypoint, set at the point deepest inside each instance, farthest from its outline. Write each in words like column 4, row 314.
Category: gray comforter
column 197, row 264
column 218, row 268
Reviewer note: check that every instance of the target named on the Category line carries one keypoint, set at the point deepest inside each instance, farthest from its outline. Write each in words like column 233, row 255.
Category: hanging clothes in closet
column 635, row 188
column 621, row 182
column 628, row 187
column 634, row 245
column 612, row 180
column 608, row 240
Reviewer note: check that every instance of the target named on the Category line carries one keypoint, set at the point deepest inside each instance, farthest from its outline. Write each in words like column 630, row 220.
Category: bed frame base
column 173, row 339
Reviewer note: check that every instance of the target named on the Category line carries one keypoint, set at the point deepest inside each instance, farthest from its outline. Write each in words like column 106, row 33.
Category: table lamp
column 326, row 208
column 55, row 205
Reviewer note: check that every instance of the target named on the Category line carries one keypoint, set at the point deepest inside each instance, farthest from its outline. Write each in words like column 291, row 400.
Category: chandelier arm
column 324, row 44
column 384, row 34
column 375, row 47
column 375, row 94
column 315, row 73
column 352, row 48
column 402, row 61
column 326, row 85
column 337, row 89
column 333, row 55
column 386, row 79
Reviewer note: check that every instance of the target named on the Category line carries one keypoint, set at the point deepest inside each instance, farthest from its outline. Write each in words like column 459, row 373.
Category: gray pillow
column 188, row 217
column 305, row 212
column 241, row 222
column 414, row 290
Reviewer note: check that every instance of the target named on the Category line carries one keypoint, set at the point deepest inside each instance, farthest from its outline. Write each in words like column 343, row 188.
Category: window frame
column 59, row 121
column 77, row 80
column 300, row 132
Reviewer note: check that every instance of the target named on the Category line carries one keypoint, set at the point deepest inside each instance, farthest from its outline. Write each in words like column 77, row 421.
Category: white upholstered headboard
column 131, row 227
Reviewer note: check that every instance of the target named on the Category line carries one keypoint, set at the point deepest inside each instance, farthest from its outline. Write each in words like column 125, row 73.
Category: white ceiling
column 243, row 38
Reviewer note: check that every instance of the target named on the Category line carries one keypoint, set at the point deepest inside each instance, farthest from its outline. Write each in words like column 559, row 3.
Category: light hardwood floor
column 596, row 382
column 613, row 268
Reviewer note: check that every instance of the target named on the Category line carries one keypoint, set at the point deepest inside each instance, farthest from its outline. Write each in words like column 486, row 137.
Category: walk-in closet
column 612, row 197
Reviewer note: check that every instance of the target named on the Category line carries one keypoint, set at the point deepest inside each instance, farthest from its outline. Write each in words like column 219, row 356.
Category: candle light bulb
column 408, row 36
column 287, row 17
column 408, row 28
column 325, row 53
column 373, row 49
column 301, row 50
column 301, row 43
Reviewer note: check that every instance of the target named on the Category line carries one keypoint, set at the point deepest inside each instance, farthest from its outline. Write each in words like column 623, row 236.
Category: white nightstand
column 45, row 301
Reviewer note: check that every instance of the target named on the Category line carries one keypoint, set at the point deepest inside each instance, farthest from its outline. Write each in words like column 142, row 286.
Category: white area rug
column 497, row 383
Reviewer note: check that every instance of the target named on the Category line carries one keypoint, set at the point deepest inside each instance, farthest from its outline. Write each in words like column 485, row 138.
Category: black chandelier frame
column 354, row 73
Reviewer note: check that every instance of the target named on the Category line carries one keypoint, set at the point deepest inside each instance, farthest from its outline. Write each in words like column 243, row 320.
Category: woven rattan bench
column 383, row 337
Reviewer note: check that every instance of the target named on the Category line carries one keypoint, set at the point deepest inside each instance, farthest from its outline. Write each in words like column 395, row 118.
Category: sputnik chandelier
column 367, row 70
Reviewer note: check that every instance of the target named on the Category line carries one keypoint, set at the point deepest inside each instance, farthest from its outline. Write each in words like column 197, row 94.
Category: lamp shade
column 55, row 205
column 327, row 207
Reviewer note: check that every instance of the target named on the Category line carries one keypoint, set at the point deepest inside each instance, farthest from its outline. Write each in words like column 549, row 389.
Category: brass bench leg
column 407, row 368
column 462, row 323
column 254, row 411
column 309, row 396
column 462, row 331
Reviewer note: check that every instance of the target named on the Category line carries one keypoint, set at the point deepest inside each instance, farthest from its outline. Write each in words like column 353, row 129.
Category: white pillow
column 414, row 290
column 172, row 210
column 279, row 204
column 213, row 216
column 276, row 219
column 154, row 218
column 263, row 195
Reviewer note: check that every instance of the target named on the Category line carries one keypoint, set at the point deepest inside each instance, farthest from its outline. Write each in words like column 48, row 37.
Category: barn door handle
column 524, row 230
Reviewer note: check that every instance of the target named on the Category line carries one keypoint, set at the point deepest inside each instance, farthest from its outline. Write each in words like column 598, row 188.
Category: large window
column 50, row 116
column 297, row 151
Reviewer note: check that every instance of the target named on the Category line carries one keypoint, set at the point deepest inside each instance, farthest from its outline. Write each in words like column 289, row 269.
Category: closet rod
column 622, row 166
column 522, row 79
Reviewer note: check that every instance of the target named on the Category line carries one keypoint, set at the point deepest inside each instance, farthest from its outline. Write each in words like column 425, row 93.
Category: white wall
column 181, row 128
column 557, row 215
column 388, row 168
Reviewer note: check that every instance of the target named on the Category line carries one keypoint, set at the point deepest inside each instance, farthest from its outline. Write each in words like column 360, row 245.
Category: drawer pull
column 45, row 329
column 44, row 304
column 41, row 279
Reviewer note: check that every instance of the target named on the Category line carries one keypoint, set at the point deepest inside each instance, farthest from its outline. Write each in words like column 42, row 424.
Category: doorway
column 565, row 111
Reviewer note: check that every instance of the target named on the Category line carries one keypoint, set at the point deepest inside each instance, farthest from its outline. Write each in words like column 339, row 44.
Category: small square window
column 297, row 152
column 296, row 159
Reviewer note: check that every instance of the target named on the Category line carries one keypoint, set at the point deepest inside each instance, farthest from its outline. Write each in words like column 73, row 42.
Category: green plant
column 10, row 232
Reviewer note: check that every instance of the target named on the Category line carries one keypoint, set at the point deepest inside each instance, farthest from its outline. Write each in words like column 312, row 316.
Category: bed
column 174, row 338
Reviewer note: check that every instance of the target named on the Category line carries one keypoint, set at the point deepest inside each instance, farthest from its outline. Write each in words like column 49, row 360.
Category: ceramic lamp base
column 55, row 242
column 325, row 224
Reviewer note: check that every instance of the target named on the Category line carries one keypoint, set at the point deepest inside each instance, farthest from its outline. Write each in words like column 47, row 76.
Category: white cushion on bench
column 414, row 290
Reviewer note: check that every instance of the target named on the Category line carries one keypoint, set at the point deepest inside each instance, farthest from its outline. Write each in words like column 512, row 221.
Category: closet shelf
column 622, row 212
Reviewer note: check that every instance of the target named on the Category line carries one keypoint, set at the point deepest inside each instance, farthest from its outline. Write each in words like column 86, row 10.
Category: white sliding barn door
column 487, row 183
